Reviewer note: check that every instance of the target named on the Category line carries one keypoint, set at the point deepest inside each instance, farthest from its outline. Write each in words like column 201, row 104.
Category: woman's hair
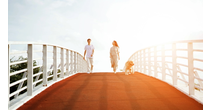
column 115, row 43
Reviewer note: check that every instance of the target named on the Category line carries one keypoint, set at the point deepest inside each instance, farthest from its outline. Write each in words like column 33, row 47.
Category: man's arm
column 92, row 52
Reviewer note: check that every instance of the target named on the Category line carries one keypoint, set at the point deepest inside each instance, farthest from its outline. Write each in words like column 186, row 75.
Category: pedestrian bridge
column 164, row 79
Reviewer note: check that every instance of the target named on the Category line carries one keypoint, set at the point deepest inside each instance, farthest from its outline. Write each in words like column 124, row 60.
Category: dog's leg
column 132, row 70
column 129, row 71
column 126, row 73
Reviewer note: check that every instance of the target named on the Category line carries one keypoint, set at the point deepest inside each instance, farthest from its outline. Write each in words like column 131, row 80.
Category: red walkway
column 106, row 91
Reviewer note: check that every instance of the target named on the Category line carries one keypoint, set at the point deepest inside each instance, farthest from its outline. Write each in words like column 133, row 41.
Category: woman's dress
column 114, row 56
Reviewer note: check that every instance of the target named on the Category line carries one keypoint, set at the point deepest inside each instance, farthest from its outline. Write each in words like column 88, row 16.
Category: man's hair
column 89, row 39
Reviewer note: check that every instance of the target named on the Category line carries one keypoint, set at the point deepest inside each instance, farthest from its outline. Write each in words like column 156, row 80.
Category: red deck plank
column 107, row 91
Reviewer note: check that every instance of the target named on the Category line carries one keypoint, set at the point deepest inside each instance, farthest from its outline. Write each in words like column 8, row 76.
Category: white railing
column 71, row 62
column 180, row 68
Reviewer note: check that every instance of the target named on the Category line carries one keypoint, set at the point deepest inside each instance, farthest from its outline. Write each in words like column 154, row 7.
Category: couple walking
column 114, row 55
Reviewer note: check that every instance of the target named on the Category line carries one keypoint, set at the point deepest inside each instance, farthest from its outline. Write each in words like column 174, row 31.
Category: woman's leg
column 114, row 69
column 112, row 62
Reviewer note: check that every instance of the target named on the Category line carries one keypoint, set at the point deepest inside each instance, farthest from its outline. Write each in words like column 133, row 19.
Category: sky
column 134, row 24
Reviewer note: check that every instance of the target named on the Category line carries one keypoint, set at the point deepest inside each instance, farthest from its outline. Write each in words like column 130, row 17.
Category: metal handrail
column 139, row 59
column 73, row 58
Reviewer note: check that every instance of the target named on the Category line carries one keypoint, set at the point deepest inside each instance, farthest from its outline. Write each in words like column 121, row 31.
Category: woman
column 114, row 55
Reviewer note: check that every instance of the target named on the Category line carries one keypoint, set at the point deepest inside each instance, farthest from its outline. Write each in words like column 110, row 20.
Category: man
column 89, row 51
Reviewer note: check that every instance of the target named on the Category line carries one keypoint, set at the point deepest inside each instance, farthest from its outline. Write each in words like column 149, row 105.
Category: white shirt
column 89, row 49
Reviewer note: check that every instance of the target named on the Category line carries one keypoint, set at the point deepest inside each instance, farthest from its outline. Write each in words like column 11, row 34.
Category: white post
column 141, row 61
column 71, row 58
column 81, row 67
column 67, row 62
column 54, row 63
column 149, row 62
column 75, row 62
column 163, row 64
column 8, row 73
column 190, row 68
column 155, row 62
column 174, row 64
column 81, row 64
column 84, row 63
column 134, row 60
column 45, row 65
column 137, row 64
column 30, row 70
column 62, row 63
column 78, row 63
column 144, row 61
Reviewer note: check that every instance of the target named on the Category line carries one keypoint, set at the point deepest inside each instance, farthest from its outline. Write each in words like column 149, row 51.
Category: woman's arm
column 110, row 53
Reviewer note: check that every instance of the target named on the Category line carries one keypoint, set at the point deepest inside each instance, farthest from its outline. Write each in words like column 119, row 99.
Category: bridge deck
column 112, row 92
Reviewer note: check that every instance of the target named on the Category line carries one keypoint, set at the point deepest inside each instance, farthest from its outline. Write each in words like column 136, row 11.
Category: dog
column 129, row 67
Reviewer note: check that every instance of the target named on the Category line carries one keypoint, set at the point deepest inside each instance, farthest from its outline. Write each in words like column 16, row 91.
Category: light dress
column 114, row 56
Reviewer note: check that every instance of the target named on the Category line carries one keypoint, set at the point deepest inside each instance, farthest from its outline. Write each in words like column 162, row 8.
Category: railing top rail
column 183, row 41
column 38, row 43
column 171, row 42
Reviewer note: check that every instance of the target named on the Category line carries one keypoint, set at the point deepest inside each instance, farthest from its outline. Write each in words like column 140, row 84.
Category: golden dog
column 129, row 67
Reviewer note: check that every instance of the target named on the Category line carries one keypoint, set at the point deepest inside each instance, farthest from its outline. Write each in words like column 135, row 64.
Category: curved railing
column 50, row 69
column 180, row 61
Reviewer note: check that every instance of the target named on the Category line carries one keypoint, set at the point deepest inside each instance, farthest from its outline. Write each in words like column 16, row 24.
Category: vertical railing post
column 45, row 65
column 134, row 60
column 54, row 63
column 62, row 63
column 155, row 62
column 149, row 62
column 144, row 61
column 137, row 66
column 75, row 62
column 8, row 73
column 79, row 66
column 174, row 64
column 30, row 70
column 141, row 61
column 163, row 64
column 83, row 66
column 190, row 68
column 79, row 62
column 71, row 58
column 67, row 62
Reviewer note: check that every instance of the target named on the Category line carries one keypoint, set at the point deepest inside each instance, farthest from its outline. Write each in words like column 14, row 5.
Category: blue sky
column 134, row 24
